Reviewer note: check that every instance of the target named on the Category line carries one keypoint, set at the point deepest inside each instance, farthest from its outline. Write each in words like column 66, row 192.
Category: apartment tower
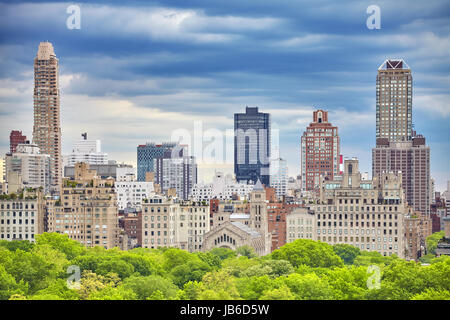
column 47, row 129
column 394, row 101
column 319, row 151
column 398, row 147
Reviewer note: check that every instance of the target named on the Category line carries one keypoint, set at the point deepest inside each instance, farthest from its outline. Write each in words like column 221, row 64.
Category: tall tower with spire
column 47, row 127
column 258, row 214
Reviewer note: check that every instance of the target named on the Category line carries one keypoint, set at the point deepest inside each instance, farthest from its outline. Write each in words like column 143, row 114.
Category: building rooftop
column 246, row 229
column 45, row 51
column 258, row 186
column 393, row 64
column 239, row 216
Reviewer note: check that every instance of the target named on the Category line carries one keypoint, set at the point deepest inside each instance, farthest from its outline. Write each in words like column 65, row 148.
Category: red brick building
column 319, row 151
column 15, row 138
column 131, row 224
column 213, row 208
column 277, row 212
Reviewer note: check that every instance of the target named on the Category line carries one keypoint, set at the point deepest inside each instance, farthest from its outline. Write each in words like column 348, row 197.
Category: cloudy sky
column 139, row 72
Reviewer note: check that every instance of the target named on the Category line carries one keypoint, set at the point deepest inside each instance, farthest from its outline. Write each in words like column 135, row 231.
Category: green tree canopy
column 62, row 243
column 308, row 252
column 347, row 252
column 145, row 287
column 432, row 241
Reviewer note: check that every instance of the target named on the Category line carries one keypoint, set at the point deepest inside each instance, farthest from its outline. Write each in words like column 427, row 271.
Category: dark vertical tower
column 252, row 146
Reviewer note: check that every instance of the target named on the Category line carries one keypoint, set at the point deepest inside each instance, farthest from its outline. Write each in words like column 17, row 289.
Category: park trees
column 308, row 252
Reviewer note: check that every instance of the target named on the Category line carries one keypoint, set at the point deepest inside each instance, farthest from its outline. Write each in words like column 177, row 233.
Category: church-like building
column 234, row 234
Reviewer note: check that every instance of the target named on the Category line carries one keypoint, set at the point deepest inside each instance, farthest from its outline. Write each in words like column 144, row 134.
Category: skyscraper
column 146, row 155
column 394, row 101
column 398, row 147
column 15, row 138
column 252, row 145
column 319, row 151
column 47, row 129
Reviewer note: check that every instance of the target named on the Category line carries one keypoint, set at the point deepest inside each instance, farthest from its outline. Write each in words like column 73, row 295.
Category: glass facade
column 252, row 146
column 146, row 154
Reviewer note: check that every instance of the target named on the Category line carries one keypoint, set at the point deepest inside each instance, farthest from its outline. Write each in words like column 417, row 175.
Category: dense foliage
column 303, row 269
column 431, row 244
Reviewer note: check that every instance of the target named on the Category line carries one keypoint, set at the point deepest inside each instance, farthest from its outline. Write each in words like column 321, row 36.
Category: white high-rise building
column 32, row 167
column 88, row 151
column 223, row 187
column 130, row 192
column 279, row 176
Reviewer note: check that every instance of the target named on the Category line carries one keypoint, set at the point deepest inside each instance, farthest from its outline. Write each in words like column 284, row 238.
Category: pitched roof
column 258, row 186
column 246, row 229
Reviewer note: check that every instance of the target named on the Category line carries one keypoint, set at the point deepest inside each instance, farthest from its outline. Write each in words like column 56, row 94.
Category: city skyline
column 138, row 98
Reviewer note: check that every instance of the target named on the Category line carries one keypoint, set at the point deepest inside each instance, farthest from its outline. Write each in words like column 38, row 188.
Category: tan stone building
column 368, row 214
column 301, row 224
column 234, row 234
column 172, row 222
column 394, row 101
column 47, row 127
column 233, row 211
column 86, row 210
column 22, row 216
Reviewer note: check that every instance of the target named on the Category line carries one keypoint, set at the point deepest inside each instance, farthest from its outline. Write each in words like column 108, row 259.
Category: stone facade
column 86, row 210
column 301, row 224
column 171, row 222
column 368, row 214
column 22, row 216
column 228, row 232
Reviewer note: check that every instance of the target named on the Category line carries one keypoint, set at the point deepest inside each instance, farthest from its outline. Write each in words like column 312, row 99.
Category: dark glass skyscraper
column 252, row 146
